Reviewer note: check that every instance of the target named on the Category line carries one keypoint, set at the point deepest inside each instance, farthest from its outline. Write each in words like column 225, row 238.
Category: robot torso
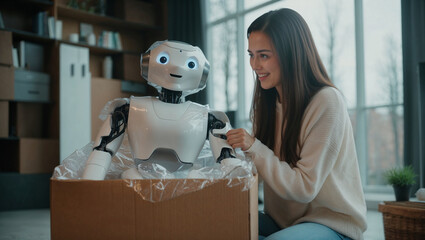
column 156, row 128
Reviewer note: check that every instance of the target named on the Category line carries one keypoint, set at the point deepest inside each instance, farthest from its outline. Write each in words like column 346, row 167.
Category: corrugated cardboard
column 7, row 84
column 111, row 210
column 23, row 119
column 29, row 155
column 4, row 119
column 6, row 48
column 29, row 120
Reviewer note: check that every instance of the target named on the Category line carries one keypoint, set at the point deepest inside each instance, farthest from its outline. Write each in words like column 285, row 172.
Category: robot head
column 175, row 66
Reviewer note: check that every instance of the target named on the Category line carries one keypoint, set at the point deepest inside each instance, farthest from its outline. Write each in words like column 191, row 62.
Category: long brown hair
column 302, row 75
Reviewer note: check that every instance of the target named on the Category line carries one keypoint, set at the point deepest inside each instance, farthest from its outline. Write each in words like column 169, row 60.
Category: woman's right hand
column 239, row 138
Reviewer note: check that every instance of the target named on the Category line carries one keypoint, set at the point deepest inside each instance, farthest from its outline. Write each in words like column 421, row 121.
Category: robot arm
column 107, row 142
column 218, row 125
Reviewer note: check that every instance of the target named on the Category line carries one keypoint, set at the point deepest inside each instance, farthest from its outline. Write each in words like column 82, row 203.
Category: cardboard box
column 81, row 209
column 4, row 119
column 23, row 85
column 29, row 155
column 30, row 120
column 7, row 88
column 136, row 11
column 6, row 48
column 22, row 119
column 31, row 86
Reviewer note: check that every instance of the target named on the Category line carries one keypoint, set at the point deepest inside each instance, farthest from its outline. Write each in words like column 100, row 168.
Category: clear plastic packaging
column 163, row 185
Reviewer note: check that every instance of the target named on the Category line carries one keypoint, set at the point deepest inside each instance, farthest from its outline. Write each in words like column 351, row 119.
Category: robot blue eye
column 162, row 58
column 192, row 63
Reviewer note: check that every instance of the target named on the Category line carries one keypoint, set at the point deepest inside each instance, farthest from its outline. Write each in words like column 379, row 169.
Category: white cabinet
column 74, row 92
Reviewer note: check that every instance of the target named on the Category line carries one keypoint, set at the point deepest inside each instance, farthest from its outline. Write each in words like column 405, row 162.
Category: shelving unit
column 136, row 37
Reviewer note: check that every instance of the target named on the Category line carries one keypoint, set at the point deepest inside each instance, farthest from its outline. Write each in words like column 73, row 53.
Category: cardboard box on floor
column 109, row 209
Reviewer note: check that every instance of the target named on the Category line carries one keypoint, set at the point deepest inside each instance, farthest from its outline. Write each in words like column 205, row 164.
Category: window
column 360, row 45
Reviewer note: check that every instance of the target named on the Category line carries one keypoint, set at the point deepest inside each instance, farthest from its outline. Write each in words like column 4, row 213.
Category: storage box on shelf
column 27, row 120
column 4, row 119
column 29, row 155
column 5, row 48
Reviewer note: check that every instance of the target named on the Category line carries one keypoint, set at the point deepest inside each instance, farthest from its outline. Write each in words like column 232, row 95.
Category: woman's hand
column 240, row 138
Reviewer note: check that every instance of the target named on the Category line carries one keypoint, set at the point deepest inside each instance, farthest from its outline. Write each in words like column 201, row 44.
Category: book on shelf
column 40, row 24
column 15, row 57
column 111, row 40
column 58, row 29
column 51, row 27
column 117, row 38
column 1, row 21
column 31, row 56
column 22, row 54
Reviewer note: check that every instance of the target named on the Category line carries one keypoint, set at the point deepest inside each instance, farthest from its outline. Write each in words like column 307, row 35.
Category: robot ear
column 205, row 73
column 144, row 64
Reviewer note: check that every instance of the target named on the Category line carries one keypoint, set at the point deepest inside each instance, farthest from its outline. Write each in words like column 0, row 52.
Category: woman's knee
column 305, row 231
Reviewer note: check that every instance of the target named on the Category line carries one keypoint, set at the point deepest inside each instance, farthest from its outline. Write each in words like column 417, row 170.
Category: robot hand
column 218, row 126
column 107, row 142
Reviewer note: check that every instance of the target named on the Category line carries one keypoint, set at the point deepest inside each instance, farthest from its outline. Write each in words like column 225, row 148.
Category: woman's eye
column 162, row 58
column 264, row 56
column 192, row 63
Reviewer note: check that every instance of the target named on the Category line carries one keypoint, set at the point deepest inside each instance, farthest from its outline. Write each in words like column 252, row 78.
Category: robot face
column 175, row 66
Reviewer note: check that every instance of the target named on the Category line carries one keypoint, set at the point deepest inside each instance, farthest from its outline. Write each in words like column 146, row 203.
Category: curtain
column 413, row 36
column 185, row 23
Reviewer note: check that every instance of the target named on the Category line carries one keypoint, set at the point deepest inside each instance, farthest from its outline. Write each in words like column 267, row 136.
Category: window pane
column 224, row 66
column 385, row 142
column 217, row 9
column 383, row 56
column 253, row 3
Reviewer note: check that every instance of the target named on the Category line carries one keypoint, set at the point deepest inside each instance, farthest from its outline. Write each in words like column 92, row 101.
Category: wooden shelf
column 83, row 16
column 98, row 50
column 24, row 35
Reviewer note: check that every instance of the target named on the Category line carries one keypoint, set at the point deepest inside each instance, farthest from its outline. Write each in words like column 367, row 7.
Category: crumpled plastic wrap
column 162, row 184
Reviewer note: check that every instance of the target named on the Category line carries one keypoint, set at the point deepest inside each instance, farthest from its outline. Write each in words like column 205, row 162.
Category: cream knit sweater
column 325, row 185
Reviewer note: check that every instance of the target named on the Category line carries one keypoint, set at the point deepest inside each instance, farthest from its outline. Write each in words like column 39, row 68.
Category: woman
column 302, row 143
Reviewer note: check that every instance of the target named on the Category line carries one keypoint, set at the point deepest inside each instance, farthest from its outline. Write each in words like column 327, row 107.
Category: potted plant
column 402, row 180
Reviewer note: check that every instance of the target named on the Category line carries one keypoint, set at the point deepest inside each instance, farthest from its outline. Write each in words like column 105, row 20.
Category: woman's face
column 264, row 60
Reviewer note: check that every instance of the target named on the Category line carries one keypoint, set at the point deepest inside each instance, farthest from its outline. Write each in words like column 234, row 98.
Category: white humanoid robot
column 164, row 129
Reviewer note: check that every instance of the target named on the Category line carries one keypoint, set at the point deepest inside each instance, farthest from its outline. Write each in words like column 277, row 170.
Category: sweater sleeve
column 320, row 141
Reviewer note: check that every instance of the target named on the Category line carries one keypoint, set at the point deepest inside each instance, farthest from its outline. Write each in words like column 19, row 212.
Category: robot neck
column 170, row 96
